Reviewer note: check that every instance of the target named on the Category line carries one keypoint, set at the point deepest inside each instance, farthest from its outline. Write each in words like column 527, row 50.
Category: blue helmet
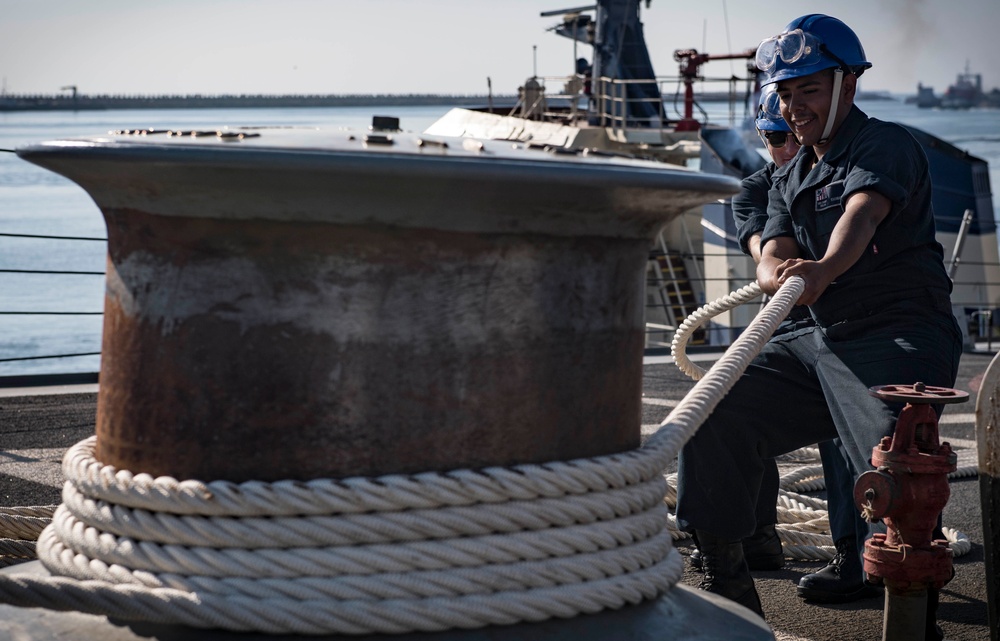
column 809, row 44
column 769, row 112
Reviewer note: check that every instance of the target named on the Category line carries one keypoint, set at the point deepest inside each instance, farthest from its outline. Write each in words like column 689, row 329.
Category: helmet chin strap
column 838, row 79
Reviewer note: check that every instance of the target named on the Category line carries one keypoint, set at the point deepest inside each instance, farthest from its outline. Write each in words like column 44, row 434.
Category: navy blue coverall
column 750, row 216
column 886, row 320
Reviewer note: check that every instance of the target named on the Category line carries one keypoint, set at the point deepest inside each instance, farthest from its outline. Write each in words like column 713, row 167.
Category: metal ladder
column 674, row 291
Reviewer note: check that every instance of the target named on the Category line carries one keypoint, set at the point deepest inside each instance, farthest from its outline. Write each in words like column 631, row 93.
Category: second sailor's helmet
column 769, row 112
column 809, row 44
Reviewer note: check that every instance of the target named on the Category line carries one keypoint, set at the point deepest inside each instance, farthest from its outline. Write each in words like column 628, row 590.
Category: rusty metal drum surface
column 304, row 304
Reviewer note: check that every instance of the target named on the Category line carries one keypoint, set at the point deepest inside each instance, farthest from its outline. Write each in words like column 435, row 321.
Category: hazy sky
column 437, row 46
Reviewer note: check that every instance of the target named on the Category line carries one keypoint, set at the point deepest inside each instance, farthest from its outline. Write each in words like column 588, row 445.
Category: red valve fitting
column 908, row 491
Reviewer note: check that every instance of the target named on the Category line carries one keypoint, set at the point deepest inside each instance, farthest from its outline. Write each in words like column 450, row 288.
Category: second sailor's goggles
column 793, row 48
column 777, row 139
column 770, row 106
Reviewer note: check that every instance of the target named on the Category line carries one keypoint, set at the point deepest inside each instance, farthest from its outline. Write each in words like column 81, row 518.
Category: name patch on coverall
column 829, row 196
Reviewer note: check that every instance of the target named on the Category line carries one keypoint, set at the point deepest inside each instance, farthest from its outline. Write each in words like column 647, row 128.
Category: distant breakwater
column 81, row 102
column 85, row 102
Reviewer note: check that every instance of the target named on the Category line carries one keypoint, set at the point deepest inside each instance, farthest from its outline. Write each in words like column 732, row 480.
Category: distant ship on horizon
column 966, row 93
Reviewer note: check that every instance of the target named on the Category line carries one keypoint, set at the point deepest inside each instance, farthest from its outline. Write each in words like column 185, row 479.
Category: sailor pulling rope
column 803, row 523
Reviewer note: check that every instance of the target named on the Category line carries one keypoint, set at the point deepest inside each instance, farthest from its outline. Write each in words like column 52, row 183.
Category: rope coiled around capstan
column 425, row 552
column 398, row 553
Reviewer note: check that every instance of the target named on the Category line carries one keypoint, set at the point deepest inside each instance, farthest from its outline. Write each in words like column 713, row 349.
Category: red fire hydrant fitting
column 908, row 491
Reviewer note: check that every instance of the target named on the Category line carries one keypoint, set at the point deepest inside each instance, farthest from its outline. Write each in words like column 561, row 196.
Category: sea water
column 34, row 201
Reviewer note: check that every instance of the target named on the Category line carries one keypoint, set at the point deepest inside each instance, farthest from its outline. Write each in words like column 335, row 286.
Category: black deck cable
column 50, row 313
column 9, row 235
column 50, row 271
column 8, row 150
column 35, row 358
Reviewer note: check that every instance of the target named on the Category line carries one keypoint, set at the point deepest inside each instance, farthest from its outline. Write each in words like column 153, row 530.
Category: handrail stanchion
column 956, row 254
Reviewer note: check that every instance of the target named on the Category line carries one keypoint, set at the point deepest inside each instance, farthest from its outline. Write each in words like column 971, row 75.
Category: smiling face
column 805, row 105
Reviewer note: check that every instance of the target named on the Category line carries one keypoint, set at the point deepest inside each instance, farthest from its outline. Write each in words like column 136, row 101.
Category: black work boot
column 841, row 581
column 762, row 550
column 726, row 571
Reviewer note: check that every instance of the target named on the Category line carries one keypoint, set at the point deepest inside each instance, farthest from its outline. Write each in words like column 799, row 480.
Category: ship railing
column 613, row 108
column 608, row 103
column 12, row 359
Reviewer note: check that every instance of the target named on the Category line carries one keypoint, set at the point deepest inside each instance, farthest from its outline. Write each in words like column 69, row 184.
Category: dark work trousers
column 808, row 386
column 767, row 497
column 845, row 518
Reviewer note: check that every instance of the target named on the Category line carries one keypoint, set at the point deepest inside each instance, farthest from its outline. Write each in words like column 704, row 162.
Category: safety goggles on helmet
column 794, row 47
column 769, row 112
column 777, row 139
column 770, row 107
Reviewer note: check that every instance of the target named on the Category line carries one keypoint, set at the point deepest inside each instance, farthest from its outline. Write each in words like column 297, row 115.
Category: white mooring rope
column 19, row 527
column 399, row 553
column 803, row 524
column 698, row 318
column 393, row 554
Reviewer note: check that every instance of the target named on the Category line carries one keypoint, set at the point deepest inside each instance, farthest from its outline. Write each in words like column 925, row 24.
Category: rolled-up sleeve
column 887, row 160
